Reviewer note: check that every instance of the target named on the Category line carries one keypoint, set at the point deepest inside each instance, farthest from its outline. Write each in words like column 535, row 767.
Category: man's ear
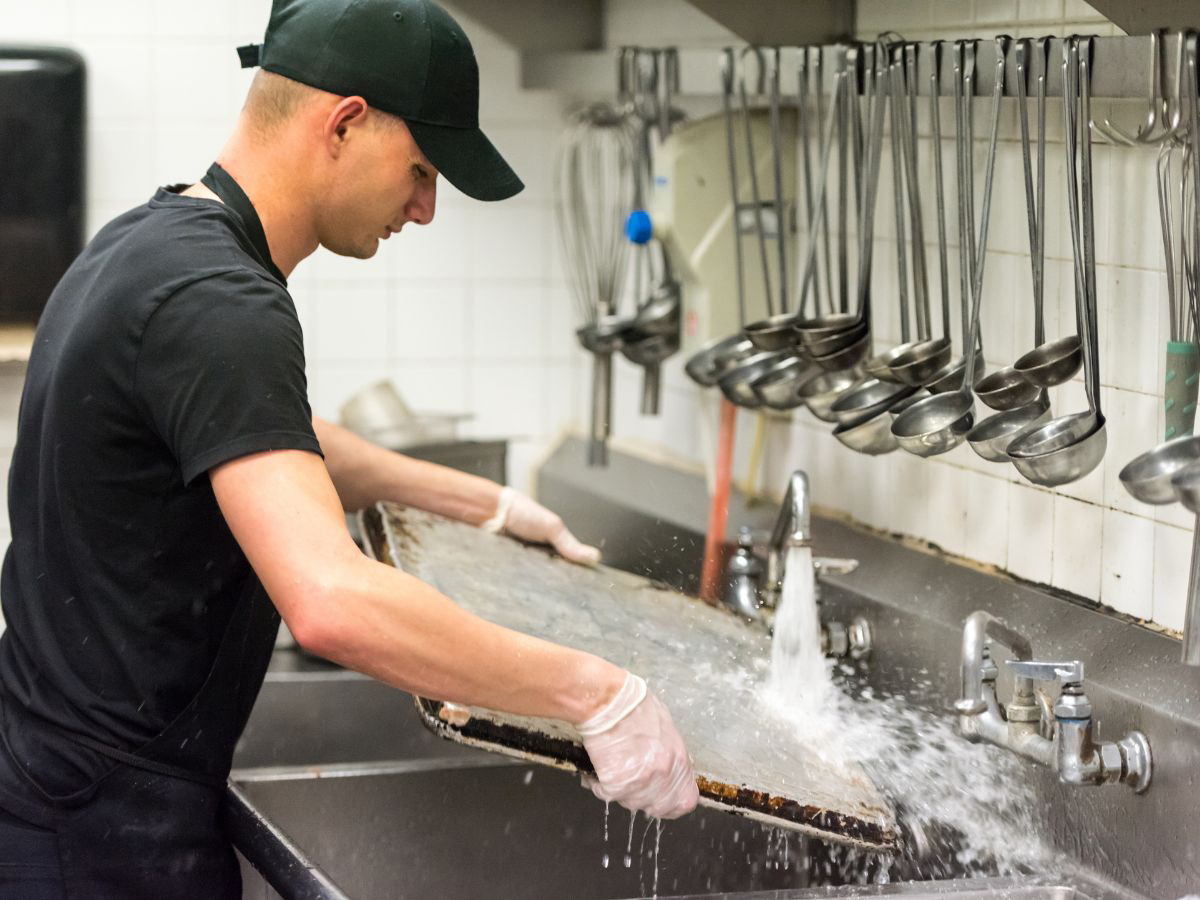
column 348, row 113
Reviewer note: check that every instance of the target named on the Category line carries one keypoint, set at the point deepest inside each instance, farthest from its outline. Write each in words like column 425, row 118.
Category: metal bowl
column 735, row 384
column 1186, row 484
column 605, row 335
column 869, row 433
column 936, row 425
column 710, row 362
column 880, row 365
column 871, row 395
column 991, row 436
column 1006, row 389
column 820, row 391
column 1061, row 451
column 779, row 387
column 650, row 350
column 897, row 408
column 921, row 361
column 776, row 333
column 847, row 357
column 951, row 377
column 839, row 340
column 1148, row 477
column 819, row 327
column 1052, row 363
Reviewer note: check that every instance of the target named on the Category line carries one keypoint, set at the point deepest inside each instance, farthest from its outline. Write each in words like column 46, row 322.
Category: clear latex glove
column 528, row 520
column 639, row 757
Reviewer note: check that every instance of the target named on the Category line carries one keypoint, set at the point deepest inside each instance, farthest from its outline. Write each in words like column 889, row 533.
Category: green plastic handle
column 1179, row 395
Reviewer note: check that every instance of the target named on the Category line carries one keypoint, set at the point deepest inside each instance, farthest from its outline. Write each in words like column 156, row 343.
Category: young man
column 171, row 495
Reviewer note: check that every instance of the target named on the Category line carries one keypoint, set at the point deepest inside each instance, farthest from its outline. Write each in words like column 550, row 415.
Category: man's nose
column 423, row 203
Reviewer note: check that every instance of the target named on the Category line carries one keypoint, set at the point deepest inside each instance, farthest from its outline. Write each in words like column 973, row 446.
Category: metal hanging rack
column 1121, row 69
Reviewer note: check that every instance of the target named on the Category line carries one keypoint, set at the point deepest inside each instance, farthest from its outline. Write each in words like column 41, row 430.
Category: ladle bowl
column 1148, row 477
column 820, row 391
column 880, row 365
column 775, row 333
column 1006, row 389
column 649, row 350
column 899, row 407
column 839, row 340
column 779, row 387
column 1186, row 484
column 951, row 377
column 819, row 327
column 991, row 436
column 921, row 362
column 847, row 357
column 937, row 424
column 1053, row 363
column 871, row 395
column 869, row 433
column 736, row 383
column 605, row 335
column 1061, row 451
column 710, row 362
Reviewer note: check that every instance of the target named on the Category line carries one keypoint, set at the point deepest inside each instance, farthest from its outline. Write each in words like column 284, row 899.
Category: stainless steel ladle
column 923, row 360
column 941, row 422
column 1069, row 447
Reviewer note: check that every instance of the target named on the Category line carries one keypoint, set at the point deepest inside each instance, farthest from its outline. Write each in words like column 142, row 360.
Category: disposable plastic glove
column 528, row 520
column 639, row 757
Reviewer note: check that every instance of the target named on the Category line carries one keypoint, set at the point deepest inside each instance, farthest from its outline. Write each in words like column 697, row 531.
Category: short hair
column 273, row 99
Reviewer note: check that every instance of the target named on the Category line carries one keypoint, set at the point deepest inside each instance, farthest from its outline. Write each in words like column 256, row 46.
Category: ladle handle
column 985, row 212
column 1030, row 199
column 1089, row 224
column 935, row 50
column 895, row 88
column 727, row 66
column 755, row 190
column 826, row 145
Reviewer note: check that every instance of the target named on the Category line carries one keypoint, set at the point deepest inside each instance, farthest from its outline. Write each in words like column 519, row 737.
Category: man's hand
column 528, row 520
column 639, row 757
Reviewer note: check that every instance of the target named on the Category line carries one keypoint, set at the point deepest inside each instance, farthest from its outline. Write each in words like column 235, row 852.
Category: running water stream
column 962, row 806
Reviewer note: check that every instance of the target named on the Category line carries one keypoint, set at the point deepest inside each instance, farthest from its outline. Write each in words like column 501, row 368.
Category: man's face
column 380, row 181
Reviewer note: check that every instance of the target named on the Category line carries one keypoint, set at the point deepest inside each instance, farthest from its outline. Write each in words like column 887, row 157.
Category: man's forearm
column 398, row 629
column 365, row 473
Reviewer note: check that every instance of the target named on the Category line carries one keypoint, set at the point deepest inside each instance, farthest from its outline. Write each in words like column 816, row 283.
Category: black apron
column 149, row 828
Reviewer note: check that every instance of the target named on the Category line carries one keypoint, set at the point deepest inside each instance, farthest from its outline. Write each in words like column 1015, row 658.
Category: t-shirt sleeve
column 220, row 372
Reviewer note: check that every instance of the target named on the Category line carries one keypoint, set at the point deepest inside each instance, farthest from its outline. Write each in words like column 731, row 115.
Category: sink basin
column 326, row 716
column 484, row 831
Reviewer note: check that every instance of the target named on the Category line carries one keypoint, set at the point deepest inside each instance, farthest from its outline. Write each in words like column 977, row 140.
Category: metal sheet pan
column 704, row 663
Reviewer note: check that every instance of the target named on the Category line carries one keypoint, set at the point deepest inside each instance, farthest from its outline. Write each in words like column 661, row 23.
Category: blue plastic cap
column 638, row 227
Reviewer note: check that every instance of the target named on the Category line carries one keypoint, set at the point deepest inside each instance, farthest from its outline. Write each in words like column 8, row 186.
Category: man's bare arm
column 365, row 473
column 284, row 512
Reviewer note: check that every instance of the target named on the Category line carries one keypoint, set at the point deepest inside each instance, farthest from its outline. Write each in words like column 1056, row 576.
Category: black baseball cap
column 405, row 57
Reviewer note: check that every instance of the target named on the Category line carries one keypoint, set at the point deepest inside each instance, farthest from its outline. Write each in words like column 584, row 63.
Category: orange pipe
column 718, row 511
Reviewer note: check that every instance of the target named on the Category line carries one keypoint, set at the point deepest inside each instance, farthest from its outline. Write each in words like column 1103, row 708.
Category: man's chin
column 360, row 251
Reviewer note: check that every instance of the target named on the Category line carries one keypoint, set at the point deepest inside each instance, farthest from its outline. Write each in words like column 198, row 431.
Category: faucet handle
column 825, row 565
column 1036, row 670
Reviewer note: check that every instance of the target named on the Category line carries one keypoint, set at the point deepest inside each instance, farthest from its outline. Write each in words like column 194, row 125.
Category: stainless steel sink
column 313, row 715
column 483, row 831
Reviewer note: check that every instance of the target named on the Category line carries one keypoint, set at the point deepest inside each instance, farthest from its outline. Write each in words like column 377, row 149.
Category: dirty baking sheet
column 703, row 662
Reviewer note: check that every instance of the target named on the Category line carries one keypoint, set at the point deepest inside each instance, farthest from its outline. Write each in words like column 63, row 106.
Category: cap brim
column 467, row 159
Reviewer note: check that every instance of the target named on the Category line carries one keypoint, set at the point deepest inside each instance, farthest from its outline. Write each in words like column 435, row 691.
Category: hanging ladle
column 1006, row 388
column 991, row 436
column 718, row 357
column 879, row 366
column 1054, row 362
column 950, row 378
column 1069, row 447
column 941, row 422
column 921, row 362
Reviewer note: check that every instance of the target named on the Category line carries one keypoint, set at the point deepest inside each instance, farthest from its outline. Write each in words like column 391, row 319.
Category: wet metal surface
column 697, row 658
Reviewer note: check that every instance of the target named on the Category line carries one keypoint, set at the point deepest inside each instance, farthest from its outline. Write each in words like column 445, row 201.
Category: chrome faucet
column 1059, row 735
column 752, row 589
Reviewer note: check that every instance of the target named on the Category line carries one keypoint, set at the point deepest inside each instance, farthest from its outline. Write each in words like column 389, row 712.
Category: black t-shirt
column 170, row 346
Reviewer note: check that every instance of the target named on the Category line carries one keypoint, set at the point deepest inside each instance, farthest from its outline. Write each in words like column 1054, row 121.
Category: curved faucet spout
column 793, row 527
